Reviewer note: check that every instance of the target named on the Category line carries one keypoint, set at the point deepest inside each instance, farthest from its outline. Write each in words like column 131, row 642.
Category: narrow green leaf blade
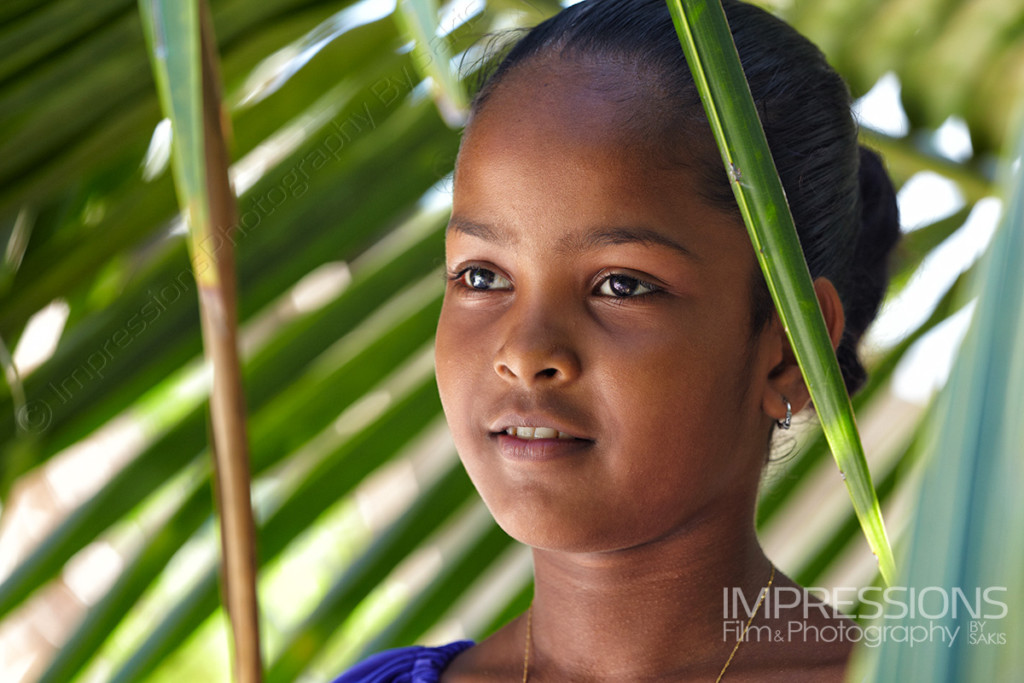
column 715, row 64
column 172, row 31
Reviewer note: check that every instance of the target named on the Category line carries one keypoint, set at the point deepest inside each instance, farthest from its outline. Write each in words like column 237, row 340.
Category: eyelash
column 458, row 278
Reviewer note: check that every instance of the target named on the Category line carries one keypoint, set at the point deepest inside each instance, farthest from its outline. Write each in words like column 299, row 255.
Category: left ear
column 785, row 381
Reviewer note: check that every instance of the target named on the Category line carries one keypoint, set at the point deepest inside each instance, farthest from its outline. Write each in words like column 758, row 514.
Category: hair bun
column 880, row 219
column 869, row 273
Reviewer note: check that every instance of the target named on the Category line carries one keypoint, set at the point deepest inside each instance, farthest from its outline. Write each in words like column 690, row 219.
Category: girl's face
column 595, row 298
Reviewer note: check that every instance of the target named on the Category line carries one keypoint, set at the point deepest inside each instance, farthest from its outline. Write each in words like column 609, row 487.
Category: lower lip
column 539, row 450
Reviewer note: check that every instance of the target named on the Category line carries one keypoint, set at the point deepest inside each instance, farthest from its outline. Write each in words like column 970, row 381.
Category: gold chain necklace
column 757, row 607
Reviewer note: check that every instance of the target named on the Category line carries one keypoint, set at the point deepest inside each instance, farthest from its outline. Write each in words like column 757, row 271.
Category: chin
column 555, row 533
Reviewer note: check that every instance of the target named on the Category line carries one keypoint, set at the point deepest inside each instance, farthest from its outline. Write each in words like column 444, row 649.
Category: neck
column 647, row 613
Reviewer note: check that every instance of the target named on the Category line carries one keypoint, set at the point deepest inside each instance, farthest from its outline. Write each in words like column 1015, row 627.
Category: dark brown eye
column 483, row 279
column 622, row 286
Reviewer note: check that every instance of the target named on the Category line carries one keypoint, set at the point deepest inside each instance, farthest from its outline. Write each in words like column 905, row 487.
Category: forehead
column 574, row 144
column 573, row 101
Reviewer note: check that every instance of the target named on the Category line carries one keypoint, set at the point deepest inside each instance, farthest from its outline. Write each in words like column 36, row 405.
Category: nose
column 538, row 351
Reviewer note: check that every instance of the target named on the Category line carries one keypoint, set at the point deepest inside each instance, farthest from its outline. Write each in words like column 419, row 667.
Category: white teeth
column 537, row 433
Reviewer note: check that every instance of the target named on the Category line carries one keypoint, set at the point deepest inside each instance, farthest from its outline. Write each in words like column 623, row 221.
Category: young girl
column 609, row 359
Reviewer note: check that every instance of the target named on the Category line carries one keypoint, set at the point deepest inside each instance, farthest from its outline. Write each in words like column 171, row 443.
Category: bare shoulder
column 499, row 657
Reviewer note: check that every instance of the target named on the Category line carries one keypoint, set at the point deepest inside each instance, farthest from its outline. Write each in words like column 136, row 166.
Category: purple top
column 405, row 665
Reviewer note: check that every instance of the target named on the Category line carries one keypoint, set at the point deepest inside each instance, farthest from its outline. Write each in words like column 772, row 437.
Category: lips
column 536, row 425
column 532, row 436
column 532, row 433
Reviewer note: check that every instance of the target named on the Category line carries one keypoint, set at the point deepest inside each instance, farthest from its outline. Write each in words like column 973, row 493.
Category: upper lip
column 534, row 419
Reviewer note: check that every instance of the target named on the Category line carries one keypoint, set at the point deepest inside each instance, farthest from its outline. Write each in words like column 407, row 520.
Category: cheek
column 685, row 403
column 459, row 359
column 448, row 369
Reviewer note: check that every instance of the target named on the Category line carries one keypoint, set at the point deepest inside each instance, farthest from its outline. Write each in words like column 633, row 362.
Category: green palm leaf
column 367, row 219
column 709, row 49
column 967, row 532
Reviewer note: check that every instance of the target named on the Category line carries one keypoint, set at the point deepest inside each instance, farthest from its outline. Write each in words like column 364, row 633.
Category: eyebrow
column 575, row 244
column 484, row 232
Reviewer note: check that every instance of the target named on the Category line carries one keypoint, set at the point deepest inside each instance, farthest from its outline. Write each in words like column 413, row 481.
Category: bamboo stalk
column 184, row 57
column 218, row 308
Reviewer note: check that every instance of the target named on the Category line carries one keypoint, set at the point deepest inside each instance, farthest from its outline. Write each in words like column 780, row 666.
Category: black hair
column 842, row 200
